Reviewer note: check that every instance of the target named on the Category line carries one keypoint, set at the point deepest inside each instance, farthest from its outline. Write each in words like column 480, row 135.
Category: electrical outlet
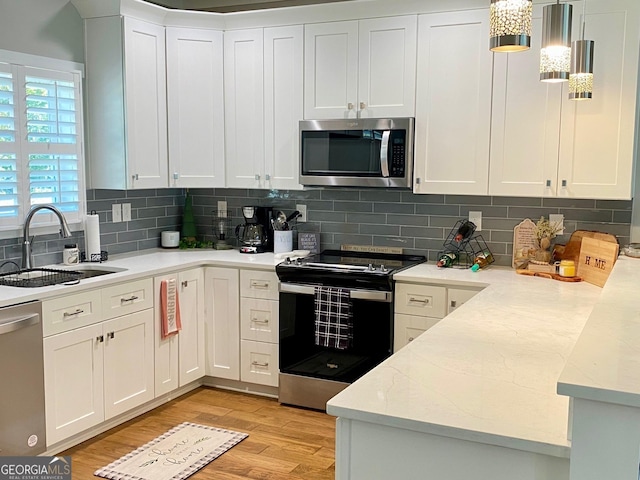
column 222, row 208
column 126, row 212
column 116, row 211
column 303, row 213
column 557, row 219
column 476, row 219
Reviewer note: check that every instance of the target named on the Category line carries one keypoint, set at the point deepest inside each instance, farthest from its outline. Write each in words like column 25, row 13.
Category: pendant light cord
column 584, row 18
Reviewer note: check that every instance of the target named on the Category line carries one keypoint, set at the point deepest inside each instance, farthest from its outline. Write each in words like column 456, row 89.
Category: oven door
column 372, row 335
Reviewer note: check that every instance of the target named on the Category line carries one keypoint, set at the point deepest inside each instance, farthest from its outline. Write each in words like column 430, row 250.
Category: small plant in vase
column 545, row 232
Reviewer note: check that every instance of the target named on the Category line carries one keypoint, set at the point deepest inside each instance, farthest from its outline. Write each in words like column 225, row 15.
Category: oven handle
column 370, row 295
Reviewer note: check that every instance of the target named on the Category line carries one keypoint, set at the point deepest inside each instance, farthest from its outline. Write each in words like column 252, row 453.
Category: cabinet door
column 330, row 70
column 459, row 296
column 166, row 349
column 525, row 124
column 195, row 102
column 222, row 309
column 128, row 362
column 73, row 382
column 146, row 104
column 597, row 135
column 387, row 67
column 191, row 337
column 283, row 67
column 244, row 108
column 453, row 112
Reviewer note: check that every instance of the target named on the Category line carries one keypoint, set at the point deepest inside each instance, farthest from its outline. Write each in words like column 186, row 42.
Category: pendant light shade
column 555, row 55
column 510, row 25
column 581, row 76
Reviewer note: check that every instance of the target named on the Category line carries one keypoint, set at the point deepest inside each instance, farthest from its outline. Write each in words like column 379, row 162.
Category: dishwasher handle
column 14, row 324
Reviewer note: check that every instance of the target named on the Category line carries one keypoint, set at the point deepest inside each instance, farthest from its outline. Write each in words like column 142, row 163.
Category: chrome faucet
column 27, row 255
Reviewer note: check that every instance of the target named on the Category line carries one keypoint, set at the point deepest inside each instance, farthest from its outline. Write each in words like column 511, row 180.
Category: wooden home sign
column 596, row 260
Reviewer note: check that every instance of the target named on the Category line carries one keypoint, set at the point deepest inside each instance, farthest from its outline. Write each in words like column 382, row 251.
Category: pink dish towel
column 170, row 311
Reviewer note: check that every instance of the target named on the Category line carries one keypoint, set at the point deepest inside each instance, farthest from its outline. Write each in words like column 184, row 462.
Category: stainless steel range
column 336, row 321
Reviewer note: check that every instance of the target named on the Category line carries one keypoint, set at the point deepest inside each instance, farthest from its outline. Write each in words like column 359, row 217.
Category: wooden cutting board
column 596, row 260
column 571, row 251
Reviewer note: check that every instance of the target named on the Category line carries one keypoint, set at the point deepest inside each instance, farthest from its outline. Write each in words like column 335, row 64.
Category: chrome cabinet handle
column 100, row 339
column 349, row 106
column 111, row 335
column 564, row 184
column 185, row 284
column 548, row 183
column 363, row 105
column 257, row 176
column 411, row 339
column 259, row 364
column 261, row 322
column 267, row 177
column 72, row 314
column 417, row 300
column 255, row 284
column 130, row 299
column 384, row 153
column 454, row 304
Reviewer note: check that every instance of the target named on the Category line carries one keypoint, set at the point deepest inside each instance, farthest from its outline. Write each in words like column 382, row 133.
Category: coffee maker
column 255, row 235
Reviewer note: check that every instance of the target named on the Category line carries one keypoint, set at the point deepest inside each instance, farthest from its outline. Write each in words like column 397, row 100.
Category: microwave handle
column 384, row 153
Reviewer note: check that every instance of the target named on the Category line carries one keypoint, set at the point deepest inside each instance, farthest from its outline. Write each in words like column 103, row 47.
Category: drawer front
column 259, row 320
column 259, row 284
column 421, row 300
column 72, row 311
column 259, row 362
column 127, row 298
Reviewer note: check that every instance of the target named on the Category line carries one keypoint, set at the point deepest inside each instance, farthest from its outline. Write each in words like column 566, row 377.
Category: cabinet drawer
column 258, row 284
column 127, row 298
column 73, row 311
column 259, row 362
column 408, row 327
column 421, row 300
column 259, row 320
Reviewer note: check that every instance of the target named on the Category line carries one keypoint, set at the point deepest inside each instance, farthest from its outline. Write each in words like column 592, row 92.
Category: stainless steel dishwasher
column 22, row 425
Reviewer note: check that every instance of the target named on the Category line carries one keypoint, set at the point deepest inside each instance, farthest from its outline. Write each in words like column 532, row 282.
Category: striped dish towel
column 334, row 322
column 170, row 311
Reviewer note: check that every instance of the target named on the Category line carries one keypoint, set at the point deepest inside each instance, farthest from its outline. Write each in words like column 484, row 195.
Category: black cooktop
column 347, row 269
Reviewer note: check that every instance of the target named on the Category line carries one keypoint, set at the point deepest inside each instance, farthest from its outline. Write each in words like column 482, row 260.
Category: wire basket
column 39, row 277
column 464, row 248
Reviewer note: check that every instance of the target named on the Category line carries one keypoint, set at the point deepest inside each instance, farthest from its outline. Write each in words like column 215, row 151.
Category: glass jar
column 567, row 268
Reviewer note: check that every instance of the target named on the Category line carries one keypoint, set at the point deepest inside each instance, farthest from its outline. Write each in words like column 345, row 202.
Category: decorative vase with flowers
column 545, row 232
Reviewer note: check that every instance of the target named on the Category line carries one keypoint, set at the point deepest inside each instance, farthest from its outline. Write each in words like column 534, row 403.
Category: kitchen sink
column 44, row 277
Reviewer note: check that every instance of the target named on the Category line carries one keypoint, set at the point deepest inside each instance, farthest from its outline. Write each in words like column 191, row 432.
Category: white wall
column 49, row 28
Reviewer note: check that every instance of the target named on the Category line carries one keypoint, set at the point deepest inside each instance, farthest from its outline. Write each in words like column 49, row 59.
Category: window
column 41, row 147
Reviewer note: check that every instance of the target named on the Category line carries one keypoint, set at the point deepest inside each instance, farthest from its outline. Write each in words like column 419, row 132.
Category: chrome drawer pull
column 261, row 322
column 416, row 300
column 258, row 364
column 77, row 312
column 100, row 339
column 255, row 284
column 130, row 299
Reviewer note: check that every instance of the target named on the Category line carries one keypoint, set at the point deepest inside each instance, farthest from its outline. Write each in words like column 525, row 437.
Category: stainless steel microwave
column 368, row 152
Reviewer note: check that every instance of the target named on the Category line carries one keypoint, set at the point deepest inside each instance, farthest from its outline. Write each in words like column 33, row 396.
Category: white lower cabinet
column 180, row 359
column 222, row 310
column 418, row 307
column 97, row 372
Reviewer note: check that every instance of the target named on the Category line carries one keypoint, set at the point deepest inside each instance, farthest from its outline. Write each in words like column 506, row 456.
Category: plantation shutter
column 10, row 184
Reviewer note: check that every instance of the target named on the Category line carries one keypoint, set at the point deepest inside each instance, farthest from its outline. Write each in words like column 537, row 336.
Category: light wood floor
column 284, row 443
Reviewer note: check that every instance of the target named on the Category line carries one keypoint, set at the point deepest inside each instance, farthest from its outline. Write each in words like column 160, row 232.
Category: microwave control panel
column 396, row 169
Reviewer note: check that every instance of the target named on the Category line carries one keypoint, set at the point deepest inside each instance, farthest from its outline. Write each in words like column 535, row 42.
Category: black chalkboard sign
column 309, row 241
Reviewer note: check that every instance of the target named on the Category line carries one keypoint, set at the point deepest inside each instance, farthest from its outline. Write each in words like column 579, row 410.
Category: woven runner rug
column 174, row 455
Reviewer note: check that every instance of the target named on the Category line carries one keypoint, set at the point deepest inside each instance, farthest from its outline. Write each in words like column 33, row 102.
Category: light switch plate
column 476, row 219
column 116, row 212
column 126, row 212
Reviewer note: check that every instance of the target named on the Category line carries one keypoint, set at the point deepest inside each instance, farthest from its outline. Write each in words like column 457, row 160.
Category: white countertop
column 488, row 371
column 142, row 264
column 605, row 363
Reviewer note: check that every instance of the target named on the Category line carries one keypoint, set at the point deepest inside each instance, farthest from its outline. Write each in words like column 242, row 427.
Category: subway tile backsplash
column 417, row 223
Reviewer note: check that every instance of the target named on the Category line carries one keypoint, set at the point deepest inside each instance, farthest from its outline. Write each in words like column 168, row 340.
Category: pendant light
column 510, row 25
column 581, row 76
column 555, row 55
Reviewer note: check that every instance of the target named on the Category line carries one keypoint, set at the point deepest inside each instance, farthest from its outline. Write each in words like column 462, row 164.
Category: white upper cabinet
column 363, row 68
column 453, row 107
column 597, row 135
column 542, row 143
column 195, row 104
column 263, row 105
column 126, row 107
